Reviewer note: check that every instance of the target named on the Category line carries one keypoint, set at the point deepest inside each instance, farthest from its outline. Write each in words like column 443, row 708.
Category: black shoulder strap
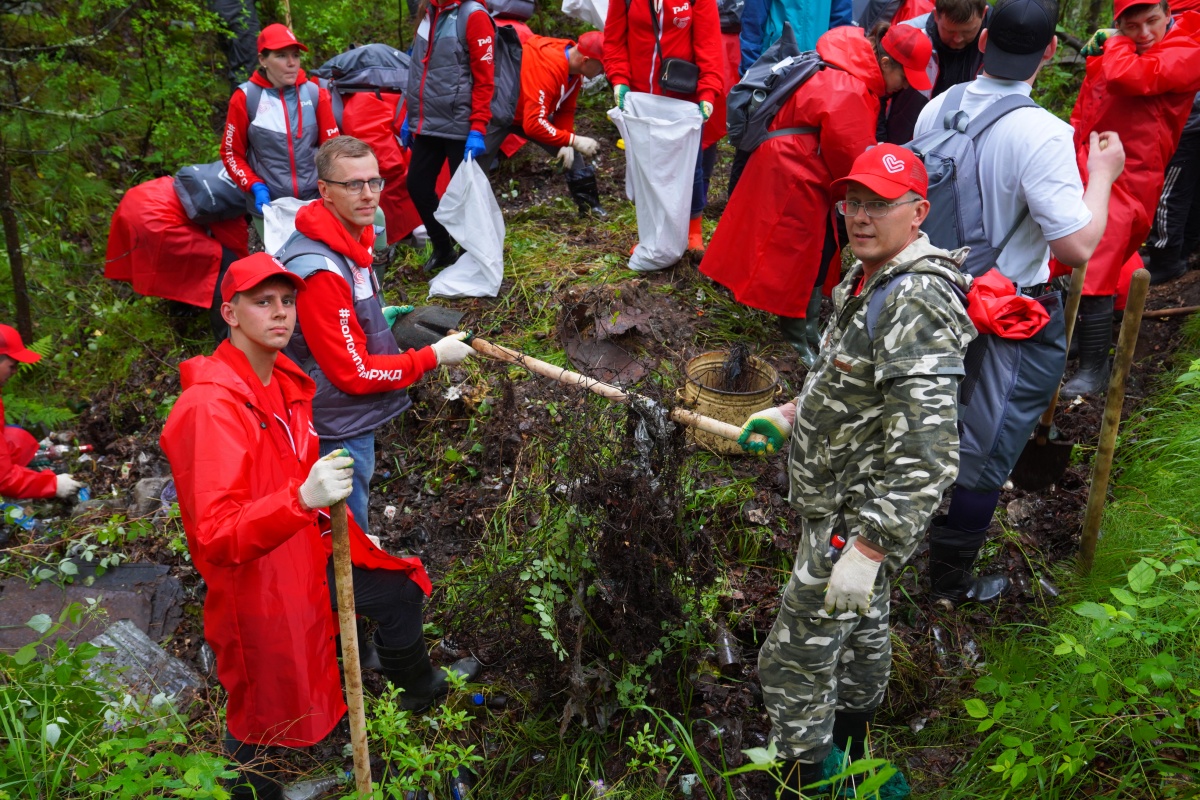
column 253, row 96
column 880, row 295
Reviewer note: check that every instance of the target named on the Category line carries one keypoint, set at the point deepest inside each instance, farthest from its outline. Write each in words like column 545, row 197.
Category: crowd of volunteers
column 945, row 339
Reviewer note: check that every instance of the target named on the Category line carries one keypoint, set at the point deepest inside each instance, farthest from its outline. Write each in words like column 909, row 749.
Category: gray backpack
column 755, row 100
column 955, row 198
column 207, row 193
column 507, row 54
column 376, row 69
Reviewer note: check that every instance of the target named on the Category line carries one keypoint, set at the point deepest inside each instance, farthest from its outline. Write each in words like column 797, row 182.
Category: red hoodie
column 546, row 104
column 691, row 30
column 17, row 480
column 237, row 124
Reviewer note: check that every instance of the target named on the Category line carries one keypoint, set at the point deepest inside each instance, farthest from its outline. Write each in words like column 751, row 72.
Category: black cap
column 1017, row 36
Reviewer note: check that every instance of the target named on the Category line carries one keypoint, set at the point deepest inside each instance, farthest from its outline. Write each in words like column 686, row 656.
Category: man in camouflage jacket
column 874, row 443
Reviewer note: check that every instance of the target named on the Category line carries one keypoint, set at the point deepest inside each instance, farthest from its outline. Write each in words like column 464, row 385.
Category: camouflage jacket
column 875, row 438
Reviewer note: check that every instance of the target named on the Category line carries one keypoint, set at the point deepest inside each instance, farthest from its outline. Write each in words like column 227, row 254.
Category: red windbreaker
column 238, row 470
column 767, row 246
column 691, row 30
column 546, row 103
column 1146, row 100
column 17, row 481
column 237, row 123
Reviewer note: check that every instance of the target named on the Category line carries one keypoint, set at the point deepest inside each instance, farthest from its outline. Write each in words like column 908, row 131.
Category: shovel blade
column 1041, row 465
column 424, row 326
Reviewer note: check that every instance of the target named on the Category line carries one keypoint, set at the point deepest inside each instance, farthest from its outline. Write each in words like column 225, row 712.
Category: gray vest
column 283, row 139
column 337, row 415
column 439, row 78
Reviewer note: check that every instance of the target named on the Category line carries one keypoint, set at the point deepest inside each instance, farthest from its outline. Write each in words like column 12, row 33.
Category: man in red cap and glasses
column 19, row 446
column 252, row 496
column 552, row 73
column 874, row 442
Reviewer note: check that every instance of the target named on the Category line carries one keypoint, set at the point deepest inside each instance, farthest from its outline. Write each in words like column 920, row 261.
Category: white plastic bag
column 471, row 214
column 279, row 221
column 662, row 138
column 592, row 12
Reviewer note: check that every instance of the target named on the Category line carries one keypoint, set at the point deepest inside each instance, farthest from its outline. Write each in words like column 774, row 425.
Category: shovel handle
column 344, row 580
column 1074, row 294
column 606, row 390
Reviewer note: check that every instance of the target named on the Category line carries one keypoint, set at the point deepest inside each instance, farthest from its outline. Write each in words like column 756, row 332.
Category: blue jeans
column 706, row 160
column 362, row 450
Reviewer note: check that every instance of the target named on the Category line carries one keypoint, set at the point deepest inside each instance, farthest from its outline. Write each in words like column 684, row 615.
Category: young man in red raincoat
column 252, row 492
column 1141, row 85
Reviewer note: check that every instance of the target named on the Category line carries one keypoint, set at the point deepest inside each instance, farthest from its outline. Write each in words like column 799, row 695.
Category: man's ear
column 229, row 315
column 983, row 41
column 1051, row 49
column 922, row 212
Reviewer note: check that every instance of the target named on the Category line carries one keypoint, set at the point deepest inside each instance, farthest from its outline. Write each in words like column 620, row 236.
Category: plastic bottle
column 56, row 451
column 836, row 543
column 460, row 784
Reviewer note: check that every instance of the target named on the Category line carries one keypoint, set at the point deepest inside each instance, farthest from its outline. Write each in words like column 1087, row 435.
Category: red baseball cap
column 591, row 45
column 278, row 37
column 889, row 171
column 910, row 48
column 246, row 273
column 1121, row 6
column 12, row 346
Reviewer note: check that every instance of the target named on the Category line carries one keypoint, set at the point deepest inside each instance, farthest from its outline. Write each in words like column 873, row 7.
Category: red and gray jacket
column 272, row 136
column 452, row 78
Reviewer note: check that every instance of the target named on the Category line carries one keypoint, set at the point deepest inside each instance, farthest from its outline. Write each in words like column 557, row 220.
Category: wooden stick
column 563, row 375
column 1159, row 313
column 1098, row 491
column 344, row 579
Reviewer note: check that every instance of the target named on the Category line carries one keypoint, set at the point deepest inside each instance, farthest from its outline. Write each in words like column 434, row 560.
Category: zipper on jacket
column 287, row 125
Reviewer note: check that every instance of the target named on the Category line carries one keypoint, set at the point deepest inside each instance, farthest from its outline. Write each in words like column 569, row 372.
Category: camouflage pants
column 813, row 664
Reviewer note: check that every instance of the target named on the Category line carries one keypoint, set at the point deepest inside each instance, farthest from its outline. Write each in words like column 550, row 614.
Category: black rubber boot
column 812, row 321
column 439, row 259
column 409, row 668
column 1094, row 332
column 796, row 774
column 850, row 731
column 795, row 333
column 952, row 555
column 1165, row 264
column 586, row 194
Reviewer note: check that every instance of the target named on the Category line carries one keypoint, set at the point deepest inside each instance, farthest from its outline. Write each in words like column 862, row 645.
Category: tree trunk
column 1093, row 17
column 12, row 243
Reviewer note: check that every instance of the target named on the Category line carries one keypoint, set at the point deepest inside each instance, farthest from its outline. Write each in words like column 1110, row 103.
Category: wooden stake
column 1159, row 313
column 344, row 579
column 1102, row 468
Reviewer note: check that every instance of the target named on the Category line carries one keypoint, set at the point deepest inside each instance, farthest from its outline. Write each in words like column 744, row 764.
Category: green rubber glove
column 619, row 92
column 393, row 313
column 773, row 425
column 706, row 109
column 1095, row 45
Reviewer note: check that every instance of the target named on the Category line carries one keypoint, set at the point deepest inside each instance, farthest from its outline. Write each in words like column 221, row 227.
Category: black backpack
column 507, row 62
column 520, row 10
column 373, row 68
column 770, row 81
column 208, row 194
column 730, row 12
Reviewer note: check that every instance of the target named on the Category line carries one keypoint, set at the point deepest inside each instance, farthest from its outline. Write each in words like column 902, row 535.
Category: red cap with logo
column 591, row 45
column 1121, row 6
column 278, row 37
column 246, row 273
column 12, row 346
column 910, row 48
column 889, row 171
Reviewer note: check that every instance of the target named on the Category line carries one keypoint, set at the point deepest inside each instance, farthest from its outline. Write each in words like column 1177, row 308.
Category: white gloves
column 329, row 480
column 66, row 487
column 586, row 146
column 452, row 350
column 567, row 156
column 851, row 581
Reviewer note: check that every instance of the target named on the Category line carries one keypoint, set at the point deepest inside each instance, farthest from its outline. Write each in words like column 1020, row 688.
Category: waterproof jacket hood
column 848, row 49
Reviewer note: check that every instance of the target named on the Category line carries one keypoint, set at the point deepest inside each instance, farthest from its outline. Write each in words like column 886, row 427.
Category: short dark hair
column 1143, row 7
column 960, row 11
column 339, row 147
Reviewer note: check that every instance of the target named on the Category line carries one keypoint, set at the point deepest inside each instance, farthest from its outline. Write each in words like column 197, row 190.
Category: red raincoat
column 691, row 30
column 767, row 246
column 16, row 450
column 1146, row 100
column 377, row 120
column 238, row 471
column 153, row 245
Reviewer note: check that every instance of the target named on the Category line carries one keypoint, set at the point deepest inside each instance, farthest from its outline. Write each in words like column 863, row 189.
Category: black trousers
column 429, row 153
column 1177, row 219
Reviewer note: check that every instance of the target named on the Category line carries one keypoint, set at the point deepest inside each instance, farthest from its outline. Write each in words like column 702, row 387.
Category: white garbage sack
column 593, row 12
column 279, row 221
column 662, row 138
column 471, row 214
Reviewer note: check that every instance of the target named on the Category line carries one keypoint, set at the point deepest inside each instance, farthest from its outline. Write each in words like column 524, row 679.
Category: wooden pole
column 1159, row 313
column 344, row 579
column 1102, row 468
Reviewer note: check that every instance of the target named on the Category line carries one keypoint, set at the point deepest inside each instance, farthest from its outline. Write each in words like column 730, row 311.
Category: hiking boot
column 952, row 580
column 1093, row 331
column 439, row 259
column 586, row 194
column 795, row 333
column 797, row 774
column 408, row 668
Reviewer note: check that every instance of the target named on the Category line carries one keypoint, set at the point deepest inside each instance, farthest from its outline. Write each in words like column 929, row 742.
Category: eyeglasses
column 356, row 187
column 875, row 208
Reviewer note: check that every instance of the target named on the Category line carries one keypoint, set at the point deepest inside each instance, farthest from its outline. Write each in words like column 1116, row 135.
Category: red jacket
column 767, row 246
column 546, row 103
column 691, row 30
column 238, row 470
column 237, row 123
column 1146, row 100
column 18, row 481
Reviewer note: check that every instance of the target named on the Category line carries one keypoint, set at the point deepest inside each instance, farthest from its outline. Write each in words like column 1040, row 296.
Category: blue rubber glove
column 406, row 137
column 262, row 196
column 475, row 147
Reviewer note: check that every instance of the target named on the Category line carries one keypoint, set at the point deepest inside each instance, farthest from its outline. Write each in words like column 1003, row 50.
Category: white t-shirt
column 1027, row 158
